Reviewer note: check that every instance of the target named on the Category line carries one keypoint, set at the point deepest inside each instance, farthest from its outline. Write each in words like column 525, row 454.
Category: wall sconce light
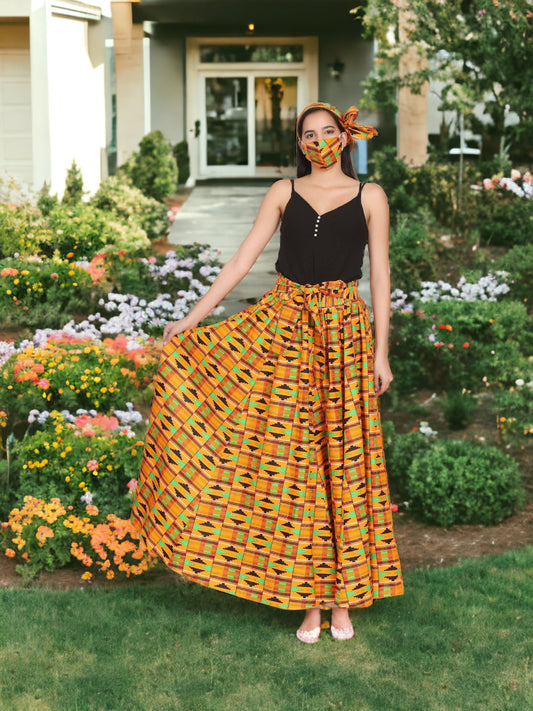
column 336, row 69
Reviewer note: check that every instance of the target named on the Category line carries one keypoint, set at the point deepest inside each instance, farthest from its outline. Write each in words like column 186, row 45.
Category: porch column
column 129, row 78
column 412, row 108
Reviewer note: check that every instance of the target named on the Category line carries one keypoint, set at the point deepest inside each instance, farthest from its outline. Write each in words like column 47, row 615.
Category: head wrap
column 355, row 131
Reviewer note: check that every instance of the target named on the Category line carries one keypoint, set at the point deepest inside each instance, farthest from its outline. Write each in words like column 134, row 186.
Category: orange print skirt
column 263, row 474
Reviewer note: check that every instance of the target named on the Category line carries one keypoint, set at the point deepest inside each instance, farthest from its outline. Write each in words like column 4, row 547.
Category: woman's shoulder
column 280, row 191
column 373, row 193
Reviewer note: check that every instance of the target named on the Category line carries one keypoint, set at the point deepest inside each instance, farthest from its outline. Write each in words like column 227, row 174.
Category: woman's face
column 319, row 125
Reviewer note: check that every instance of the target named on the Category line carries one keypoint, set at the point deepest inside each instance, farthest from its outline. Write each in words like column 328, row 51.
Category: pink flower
column 488, row 184
column 43, row 383
column 394, row 508
column 54, row 276
column 151, row 260
column 92, row 464
column 515, row 174
column 132, row 484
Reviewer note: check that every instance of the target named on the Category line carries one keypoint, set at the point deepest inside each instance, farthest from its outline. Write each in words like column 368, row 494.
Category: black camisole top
column 316, row 248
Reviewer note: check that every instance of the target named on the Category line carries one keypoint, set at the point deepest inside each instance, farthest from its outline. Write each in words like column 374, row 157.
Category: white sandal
column 342, row 632
column 308, row 636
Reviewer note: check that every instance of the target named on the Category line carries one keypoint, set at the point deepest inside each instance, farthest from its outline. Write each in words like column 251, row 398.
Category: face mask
column 324, row 153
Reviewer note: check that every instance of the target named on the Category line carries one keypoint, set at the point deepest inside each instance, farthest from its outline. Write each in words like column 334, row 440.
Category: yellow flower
column 87, row 575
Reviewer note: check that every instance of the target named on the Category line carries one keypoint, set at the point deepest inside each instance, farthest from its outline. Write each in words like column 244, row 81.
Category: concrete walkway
column 222, row 215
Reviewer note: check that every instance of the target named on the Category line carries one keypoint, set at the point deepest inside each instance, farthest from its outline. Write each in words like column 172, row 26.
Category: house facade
column 85, row 81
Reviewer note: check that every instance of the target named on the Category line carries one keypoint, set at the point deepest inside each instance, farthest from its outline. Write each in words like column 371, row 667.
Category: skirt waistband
column 326, row 293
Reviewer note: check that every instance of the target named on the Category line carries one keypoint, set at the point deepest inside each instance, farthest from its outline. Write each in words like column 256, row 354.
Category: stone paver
column 222, row 215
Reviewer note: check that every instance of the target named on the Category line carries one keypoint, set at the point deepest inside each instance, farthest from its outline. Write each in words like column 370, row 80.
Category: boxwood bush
column 464, row 483
column 118, row 197
column 400, row 450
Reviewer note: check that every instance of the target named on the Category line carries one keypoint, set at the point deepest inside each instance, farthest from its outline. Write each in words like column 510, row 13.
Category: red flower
column 394, row 508
column 466, row 344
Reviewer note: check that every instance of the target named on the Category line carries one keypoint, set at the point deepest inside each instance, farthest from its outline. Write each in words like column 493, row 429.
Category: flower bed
column 71, row 431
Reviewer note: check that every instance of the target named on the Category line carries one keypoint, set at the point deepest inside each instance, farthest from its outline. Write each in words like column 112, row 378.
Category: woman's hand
column 173, row 328
column 382, row 374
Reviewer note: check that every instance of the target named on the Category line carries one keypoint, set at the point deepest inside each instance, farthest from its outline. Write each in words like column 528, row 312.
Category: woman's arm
column 264, row 227
column 376, row 208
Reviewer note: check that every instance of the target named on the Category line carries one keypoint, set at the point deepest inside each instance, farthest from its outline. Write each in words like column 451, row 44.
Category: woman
column 263, row 473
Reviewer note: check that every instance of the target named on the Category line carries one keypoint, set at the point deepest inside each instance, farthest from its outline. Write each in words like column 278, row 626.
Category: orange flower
column 10, row 553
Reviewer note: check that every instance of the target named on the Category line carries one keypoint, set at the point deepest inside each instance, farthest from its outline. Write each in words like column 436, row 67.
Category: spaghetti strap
column 292, row 186
column 361, row 189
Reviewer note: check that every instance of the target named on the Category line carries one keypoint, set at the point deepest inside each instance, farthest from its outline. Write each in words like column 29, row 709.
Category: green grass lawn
column 460, row 638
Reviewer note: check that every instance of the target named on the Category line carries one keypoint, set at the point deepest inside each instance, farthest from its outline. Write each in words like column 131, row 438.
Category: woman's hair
column 303, row 166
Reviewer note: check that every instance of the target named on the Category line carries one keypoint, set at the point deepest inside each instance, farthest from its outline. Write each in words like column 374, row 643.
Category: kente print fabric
column 323, row 153
column 354, row 131
column 263, row 473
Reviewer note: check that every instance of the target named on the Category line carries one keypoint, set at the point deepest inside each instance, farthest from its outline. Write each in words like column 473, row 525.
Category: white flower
column 426, row 430
column 519, row 382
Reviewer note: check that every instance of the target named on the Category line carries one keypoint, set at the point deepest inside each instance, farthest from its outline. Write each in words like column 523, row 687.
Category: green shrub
column 464, row 483
column 519, row 263
column 37, row 292
column 400, row 450
column 458, row 406
column 73, row 186
column 153, row 168
column 181, row 154
column 471, row 340
column 513, row 406
column 396, row 179
column 46, row 202
column 68, row 460
column 504, row 219
column 117, row 196
column 82, row 230
column 18, row 226
column 413, row 253
column 78, row 230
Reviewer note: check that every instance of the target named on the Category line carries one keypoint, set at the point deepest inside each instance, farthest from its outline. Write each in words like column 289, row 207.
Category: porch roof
column 269, row 16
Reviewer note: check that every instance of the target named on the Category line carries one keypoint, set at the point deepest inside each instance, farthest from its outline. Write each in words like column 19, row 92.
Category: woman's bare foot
column 340, row 617
column 341, row 626
column 309, row 630
column 311, row 620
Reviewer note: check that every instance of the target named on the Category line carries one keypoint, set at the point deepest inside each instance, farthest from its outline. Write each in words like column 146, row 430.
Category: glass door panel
column 226, row 102
column 275, row 117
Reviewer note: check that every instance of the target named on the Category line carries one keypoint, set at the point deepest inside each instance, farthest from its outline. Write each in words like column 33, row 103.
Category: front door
column 248, row 123
column 243, row 99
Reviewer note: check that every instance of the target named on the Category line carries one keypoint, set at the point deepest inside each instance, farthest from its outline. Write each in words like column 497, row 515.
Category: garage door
column 15, row 114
